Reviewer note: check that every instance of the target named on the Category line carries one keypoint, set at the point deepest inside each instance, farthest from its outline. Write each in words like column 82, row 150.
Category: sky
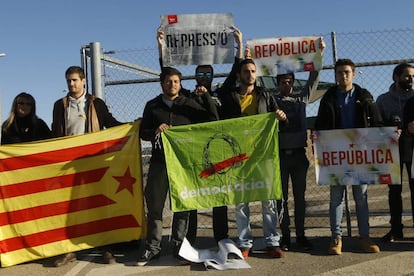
column 42, row 38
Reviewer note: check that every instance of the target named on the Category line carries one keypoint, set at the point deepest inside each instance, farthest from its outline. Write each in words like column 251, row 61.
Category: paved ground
column 394, row 259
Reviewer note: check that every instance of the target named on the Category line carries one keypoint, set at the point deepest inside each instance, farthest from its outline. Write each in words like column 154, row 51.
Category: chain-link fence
column 131, row 79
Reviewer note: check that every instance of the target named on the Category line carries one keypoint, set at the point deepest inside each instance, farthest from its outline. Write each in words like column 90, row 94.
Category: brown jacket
column 98, row 116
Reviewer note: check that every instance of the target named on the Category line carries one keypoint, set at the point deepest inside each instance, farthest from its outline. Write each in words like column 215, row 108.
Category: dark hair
column 344, row 62
column 399, row 69
column 205, row 66
column 168, row 71
column 12, row 116
column 75, row 70
column 244, row 62
column 282, row 76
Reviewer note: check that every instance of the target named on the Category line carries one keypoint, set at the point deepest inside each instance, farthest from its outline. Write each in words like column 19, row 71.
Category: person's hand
column 410, row 127
column 313, row 135
column 200, row 90
column 160, row 36
column 163, row 127
column 247, row 53
column 281, row 116
column 238, row 36
column 322, row 45
column 398, row 132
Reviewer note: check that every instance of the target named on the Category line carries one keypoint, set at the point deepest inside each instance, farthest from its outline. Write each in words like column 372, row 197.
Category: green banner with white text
column 223, row 162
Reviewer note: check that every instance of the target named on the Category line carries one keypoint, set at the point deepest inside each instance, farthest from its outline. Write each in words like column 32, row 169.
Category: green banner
column 223, row 162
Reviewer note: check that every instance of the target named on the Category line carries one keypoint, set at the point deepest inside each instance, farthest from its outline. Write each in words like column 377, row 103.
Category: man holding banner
column 249, row 99
column 293, row 160
column 345, row 106
column 80, row 113
column 204, row 75
column 166, row 110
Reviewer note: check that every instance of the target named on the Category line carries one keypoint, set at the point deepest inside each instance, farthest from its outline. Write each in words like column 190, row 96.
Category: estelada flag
column 223, row 162
column 71, row 193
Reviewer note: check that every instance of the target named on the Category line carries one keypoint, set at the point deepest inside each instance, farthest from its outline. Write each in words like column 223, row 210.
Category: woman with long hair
column 23, row 125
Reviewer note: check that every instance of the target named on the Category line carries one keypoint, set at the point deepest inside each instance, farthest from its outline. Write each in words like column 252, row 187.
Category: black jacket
column 184, row 111
column 230, row 103
column 406, row 140
column 230, row 98
column 25, row 130
column 329, row 114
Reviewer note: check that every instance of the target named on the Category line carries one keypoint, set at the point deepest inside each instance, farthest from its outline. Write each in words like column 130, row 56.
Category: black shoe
column 147, row 256
column 304, row 243
column 285, row 243
column 392, row 236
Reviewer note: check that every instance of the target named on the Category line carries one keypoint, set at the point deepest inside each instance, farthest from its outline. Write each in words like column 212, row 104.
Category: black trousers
column 395, row 198
column 220, row 224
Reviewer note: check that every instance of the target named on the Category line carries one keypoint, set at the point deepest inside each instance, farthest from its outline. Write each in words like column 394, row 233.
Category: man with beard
column 245, row 100
column 204, row 75
column 391, row 106
column 167, row 110
column 77, row 113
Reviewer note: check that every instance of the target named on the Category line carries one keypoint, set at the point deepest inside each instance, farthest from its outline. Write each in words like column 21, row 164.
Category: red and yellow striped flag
column 71, row 193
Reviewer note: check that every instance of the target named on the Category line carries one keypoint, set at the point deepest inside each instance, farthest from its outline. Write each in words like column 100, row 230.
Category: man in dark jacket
column 167, row 110
column 347, row 105
column 391, row 106
column 204, row 75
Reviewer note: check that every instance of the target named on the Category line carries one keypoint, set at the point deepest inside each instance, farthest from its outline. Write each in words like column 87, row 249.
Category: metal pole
column 347, row 210
column 95, row 49
column 1, row 119
column 334, row 51
column 84, row 64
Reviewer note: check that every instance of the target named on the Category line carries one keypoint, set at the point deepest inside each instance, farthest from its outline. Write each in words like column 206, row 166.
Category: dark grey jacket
column 391, row 106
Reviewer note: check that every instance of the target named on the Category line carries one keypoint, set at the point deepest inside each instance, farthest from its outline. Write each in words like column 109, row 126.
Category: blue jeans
column 269, row 214
column 336, row 209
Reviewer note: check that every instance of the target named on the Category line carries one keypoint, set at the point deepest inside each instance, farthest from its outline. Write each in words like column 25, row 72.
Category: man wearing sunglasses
column 204, row 75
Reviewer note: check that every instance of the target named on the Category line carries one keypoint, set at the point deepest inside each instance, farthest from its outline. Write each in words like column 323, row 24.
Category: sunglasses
column 204, row 75
column 24, row 103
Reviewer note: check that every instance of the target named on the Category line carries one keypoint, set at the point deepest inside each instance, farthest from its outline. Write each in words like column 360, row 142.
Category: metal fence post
column 96, row 69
